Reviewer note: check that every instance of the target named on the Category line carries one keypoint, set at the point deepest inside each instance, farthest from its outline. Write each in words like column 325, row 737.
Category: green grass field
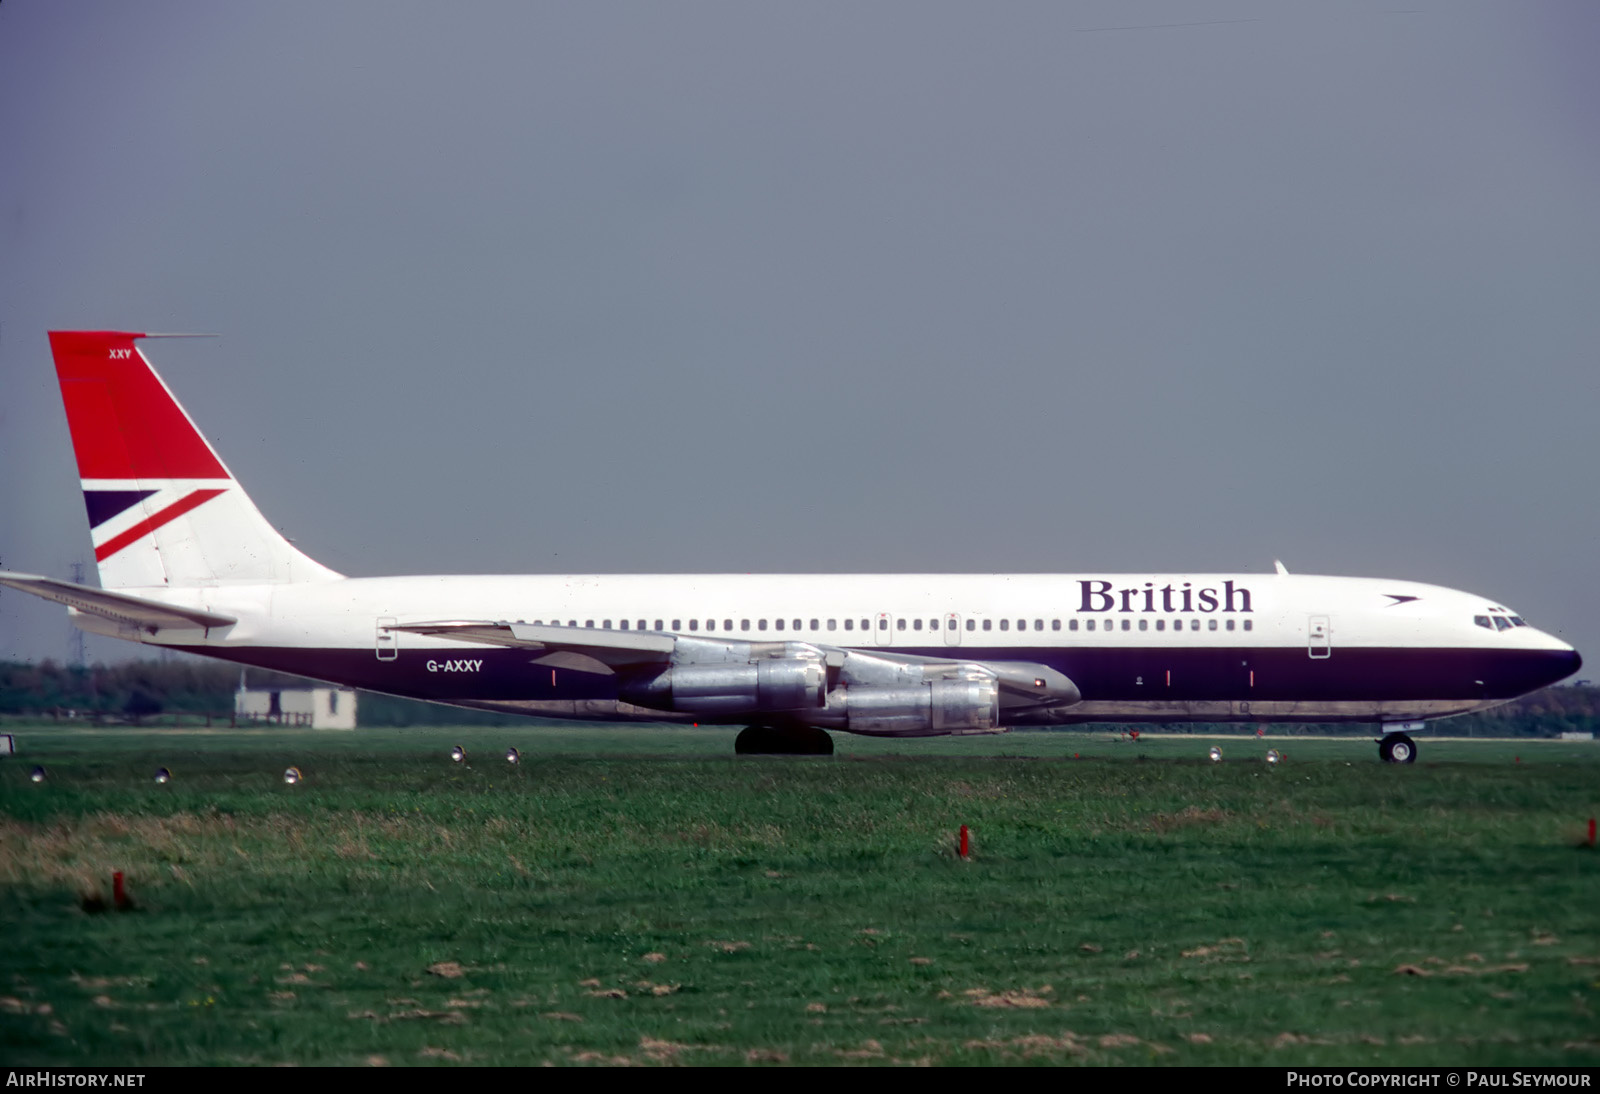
column 639, row 895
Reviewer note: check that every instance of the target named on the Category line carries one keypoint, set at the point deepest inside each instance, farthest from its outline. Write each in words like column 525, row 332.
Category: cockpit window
column 1483, row 621
column 1516, row 621
column 1501, row 623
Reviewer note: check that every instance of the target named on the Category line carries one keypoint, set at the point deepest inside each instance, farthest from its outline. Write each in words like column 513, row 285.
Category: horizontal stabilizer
column 134, row 611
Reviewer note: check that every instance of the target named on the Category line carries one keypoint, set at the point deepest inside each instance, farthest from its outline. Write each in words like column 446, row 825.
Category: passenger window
column 901, row 623
column 761, row 624
column 711, row 624
column 1088, row 624
column 1230, row 625
column 744, row 624
column 830, row 624
column 1127, row 624
column 624, row 624
column 1055, row 624
column 572, row 622
column 1005, row 624
column 814, row 625
column 1161, row 624
column 643, row 627
column 727, row 624
column 865, row 625
column 1038, row 624
column 606, row 624
column 972, row 624
column 933, row 624
column 797, row 624
column 676, row 625
column 1194, row 624
column 1211, row 624
column 848, row 623
column 1247, row 624
column 988, row 624
column 777, row 624
column 1072, row 624
column 916, row 624
column 588, row 623
column 659, row 627
column 694, row 624
column 1144, row 624
column 1022, row 624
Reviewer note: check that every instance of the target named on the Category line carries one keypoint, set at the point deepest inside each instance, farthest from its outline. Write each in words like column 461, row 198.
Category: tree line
column 138, row 692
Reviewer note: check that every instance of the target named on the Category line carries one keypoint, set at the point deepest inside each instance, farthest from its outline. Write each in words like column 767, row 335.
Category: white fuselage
column 1151, row 646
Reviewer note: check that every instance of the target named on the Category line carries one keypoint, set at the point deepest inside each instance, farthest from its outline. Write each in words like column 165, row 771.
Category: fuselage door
column 387, row 643
column 952, row 630
column 883, row 629
column 1319, row 644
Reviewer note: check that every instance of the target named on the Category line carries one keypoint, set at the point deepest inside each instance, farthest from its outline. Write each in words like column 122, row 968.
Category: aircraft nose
column 1519, row 672
column 1558, row 664
column 1568, row 661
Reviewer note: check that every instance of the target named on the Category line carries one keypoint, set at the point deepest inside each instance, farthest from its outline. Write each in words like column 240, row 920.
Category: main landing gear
column 1397, row 748
column 782, row 741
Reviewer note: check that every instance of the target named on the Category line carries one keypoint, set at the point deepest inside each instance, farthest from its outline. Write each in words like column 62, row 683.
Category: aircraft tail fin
column 163, row 509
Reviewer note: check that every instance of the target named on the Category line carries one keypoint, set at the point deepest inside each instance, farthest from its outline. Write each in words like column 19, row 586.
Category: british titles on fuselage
column 1101, row 596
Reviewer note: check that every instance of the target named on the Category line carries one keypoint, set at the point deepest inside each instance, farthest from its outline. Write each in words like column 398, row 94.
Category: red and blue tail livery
column 154, row 489
column 186, row 561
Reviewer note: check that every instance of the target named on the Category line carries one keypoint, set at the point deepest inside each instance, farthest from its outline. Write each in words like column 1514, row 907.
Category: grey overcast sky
column 821, row 286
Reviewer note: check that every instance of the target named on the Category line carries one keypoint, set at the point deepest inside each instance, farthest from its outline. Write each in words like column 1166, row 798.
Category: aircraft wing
column 596, row 649
column 134, row 611
column 585, row 649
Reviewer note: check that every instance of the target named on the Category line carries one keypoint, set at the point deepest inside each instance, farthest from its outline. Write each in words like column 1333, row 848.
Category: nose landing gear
column 1397, row 748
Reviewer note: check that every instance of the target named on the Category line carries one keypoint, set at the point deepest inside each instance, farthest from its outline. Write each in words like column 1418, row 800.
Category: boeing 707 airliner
column 187, row 562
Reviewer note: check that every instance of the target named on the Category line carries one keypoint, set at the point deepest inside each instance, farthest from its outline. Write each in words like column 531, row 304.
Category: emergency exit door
column 386, row 642
column 1319, row 642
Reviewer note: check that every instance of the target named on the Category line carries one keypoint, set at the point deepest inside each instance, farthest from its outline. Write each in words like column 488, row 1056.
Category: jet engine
column 895, row 697
column 714, row 678
column 968, row 704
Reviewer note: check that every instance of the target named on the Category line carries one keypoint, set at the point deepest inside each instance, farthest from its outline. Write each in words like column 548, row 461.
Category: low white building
column 317, row 708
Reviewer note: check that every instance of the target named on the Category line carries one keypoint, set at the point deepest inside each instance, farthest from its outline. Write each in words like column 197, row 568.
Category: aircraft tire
column 785, row 741
column 1397, row 748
